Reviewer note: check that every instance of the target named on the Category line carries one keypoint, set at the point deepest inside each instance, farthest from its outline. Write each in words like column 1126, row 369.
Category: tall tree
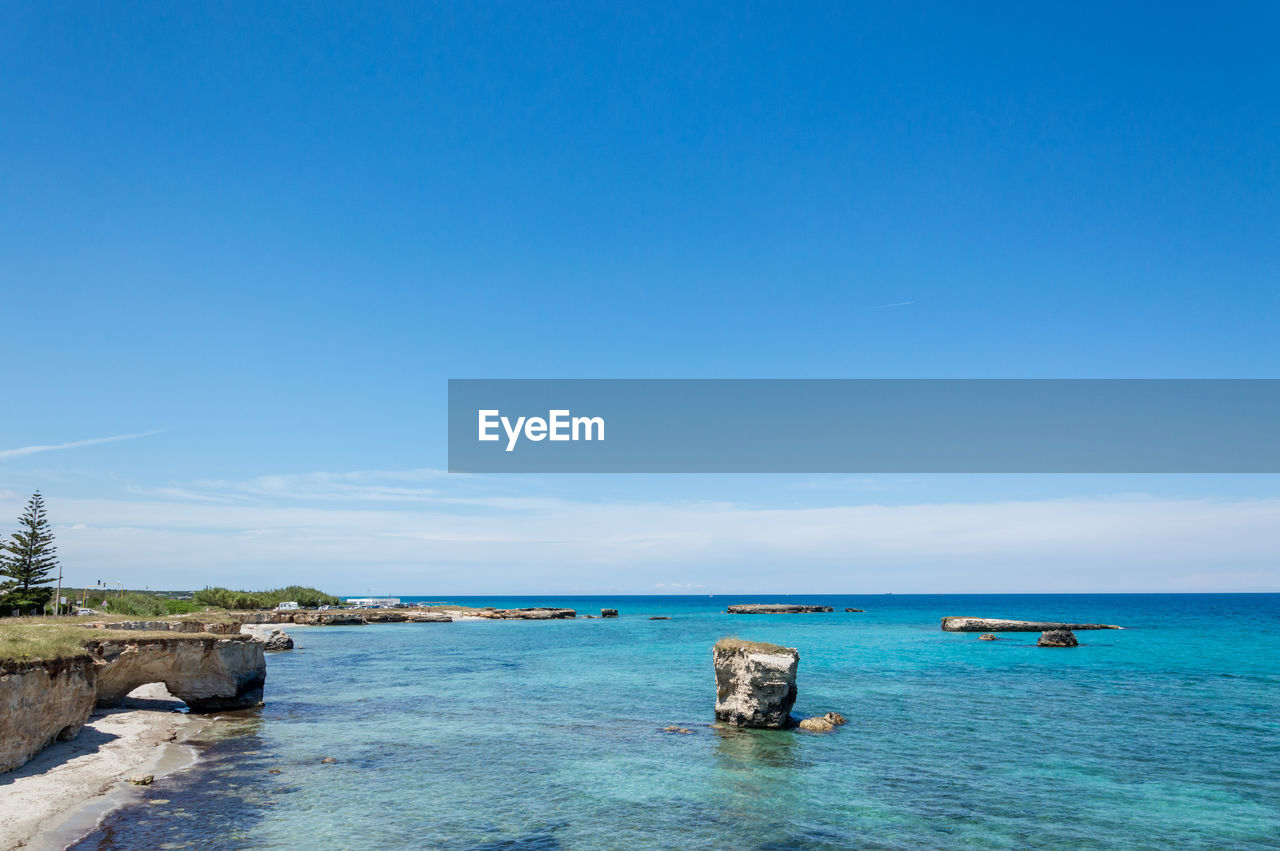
column 28, row 558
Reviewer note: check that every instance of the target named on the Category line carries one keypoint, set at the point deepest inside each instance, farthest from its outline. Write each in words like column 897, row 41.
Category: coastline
column 61, row 794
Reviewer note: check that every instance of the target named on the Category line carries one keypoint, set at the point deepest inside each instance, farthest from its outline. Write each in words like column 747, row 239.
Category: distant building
column 289, row 605
column 372, row 602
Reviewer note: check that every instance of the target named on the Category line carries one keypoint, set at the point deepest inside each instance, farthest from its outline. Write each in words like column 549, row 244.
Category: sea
column 550, row 734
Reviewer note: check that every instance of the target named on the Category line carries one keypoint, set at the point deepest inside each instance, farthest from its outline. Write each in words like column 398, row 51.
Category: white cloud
column 316, row 529
column 75, row 444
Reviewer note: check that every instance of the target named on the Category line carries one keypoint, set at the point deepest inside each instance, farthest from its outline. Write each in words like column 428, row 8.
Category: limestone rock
column 683, row 731
column 776, row 609
column 40, row 703
column 608, row 613
column 210, row 674
column 537, row 613
column 965, row 624
column 327, row 619
column 817, row 725
column 142, row 779
column 836, row 718
column 755, row 682
column 987, row 636
column 1057, row 638
column 277, row 641
column 429, row 617
column 855, row 610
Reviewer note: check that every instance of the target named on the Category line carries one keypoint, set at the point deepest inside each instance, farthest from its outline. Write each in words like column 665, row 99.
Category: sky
column 243, row 248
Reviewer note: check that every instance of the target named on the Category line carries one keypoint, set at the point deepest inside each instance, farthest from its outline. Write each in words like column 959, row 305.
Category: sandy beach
column 60, row 794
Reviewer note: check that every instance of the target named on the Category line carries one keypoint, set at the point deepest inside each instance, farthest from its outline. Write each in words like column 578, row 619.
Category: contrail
column 75, row 444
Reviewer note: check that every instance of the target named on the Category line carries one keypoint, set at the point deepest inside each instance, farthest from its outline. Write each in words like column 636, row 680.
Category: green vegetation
column 27, row 561
column 37, row 642
column 225, row 598
column 42, row 639
column 142, row 604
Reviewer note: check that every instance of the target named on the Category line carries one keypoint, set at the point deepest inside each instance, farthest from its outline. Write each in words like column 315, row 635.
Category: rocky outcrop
column 40, row 703
column 776, row 609
column 327, row 619
column 988, row 636
column 1057, row 638
column 210, row 674
column 184, row 626
column 608, row 613
column 429, row 617
column 273, row 638
column 855, row 610
column 966, row 624
column 384, row 617
column 540, row 613
column 755, row 682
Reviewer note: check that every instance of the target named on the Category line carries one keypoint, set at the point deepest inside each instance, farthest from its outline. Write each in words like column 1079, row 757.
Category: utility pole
column 57, row 595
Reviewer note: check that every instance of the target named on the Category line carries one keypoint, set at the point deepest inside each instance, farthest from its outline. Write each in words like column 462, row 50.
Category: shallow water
column 508, row 734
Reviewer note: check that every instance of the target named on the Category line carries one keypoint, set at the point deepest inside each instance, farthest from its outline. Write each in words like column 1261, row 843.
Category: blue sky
column 264, row 239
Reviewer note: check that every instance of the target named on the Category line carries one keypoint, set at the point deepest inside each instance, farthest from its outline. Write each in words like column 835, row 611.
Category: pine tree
column 27, row 559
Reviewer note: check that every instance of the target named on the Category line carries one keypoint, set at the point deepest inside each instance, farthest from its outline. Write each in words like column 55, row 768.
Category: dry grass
column 732, row 642
column 42, row 639
column 38, row 642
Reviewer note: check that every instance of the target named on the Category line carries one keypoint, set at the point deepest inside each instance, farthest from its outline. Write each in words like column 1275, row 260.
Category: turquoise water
column 548, row 734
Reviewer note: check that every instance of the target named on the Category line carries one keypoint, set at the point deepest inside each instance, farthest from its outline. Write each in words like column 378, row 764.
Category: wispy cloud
column 74, row 444
column 895, row 304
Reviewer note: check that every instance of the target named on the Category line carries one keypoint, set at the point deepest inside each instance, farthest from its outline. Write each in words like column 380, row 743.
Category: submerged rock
column 823, row 723
column 965, row 624
column 987, row 636
column 1057, row 638
column 684, row 731
column 817, row 725
column 855, row 610
column 755, row 682
column 659, row 618
column 776, row 609
column 608, row 613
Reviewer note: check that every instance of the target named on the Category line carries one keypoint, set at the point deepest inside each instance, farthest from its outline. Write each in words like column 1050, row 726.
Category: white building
column 372, row 602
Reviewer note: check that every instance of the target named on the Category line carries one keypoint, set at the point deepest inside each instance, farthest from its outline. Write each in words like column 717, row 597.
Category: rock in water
column 776, row 609
column 142, row 779
column 987, row 636
column 855, row 610
column 836, row 718
column 817, row 725
column 608, row 613
column 953, row 623
column 755, row 682
column 1057, row 638
column 278, row 640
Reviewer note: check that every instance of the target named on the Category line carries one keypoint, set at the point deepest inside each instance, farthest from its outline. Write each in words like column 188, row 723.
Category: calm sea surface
column 549, row 734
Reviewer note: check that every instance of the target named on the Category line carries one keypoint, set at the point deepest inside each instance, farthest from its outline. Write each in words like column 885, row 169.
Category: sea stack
column 1057, row 638
column 755, row 683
